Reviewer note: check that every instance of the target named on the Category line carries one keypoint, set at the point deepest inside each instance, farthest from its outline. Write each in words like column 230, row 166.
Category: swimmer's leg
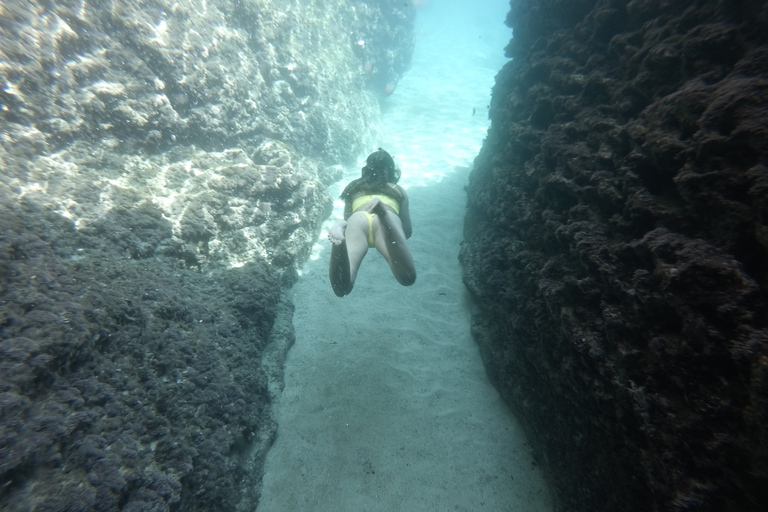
column 348, row 254
column 391, row 243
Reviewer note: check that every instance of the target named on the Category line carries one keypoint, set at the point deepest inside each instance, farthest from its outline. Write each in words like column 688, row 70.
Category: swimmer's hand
column 336, row 233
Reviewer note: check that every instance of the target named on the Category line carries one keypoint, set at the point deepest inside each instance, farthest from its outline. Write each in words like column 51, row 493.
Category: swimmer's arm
column 405, row 215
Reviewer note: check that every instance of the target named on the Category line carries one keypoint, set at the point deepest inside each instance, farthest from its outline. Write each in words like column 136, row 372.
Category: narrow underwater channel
column 386, row 403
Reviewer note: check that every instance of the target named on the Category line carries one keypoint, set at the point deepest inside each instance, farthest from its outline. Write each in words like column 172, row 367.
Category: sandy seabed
column 386, row 405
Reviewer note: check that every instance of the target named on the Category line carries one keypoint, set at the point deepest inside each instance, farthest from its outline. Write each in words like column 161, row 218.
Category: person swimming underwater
column 376, row 214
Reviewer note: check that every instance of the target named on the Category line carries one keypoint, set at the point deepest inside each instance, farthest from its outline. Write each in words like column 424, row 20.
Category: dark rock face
column 127, row 384
column 164, row 166
column 617, row 249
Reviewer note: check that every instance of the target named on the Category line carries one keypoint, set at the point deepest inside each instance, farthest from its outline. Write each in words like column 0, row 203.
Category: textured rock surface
column 127, row 384
column 164, row 166
column 616, row 249
column 95, row 95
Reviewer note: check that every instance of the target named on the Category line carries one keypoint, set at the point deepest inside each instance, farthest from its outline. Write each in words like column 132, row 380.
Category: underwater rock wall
column 114, row 102
column 128, row 384
column 616, row 249
column 164, row 166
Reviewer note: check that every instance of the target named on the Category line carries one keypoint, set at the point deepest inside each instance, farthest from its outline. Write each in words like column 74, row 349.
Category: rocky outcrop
column 616, row 249
column 127, row 384
column 99, row 97
column 164, row 166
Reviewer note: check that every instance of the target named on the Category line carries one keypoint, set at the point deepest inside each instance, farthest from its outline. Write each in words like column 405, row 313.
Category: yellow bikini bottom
column 371, row 239
column 362, row 200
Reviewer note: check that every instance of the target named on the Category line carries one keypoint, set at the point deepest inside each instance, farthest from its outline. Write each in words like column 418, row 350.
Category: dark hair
column 380, row 166
column 379, row 170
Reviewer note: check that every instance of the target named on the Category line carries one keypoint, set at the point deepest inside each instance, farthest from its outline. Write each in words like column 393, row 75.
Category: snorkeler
column 376, row 214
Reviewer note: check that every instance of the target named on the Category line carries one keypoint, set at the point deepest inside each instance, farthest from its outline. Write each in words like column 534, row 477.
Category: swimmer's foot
column 336, row 233
column 373, row 205
column 378, row 208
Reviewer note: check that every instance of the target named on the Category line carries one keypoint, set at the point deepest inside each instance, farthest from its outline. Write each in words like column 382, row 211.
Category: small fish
column 473, row 111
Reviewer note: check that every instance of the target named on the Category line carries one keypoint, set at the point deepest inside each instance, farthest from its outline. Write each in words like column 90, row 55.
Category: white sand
column 386, row 405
